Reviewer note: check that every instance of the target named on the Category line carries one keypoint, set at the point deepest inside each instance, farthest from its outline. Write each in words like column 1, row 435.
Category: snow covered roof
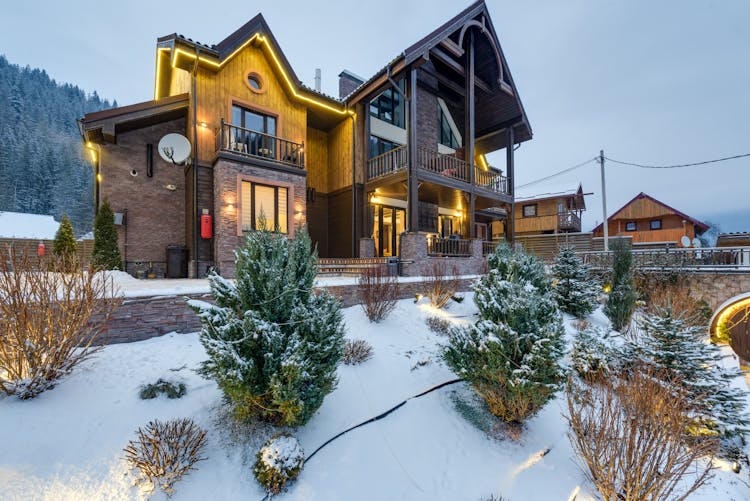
column 20, row 225
column 540, row 191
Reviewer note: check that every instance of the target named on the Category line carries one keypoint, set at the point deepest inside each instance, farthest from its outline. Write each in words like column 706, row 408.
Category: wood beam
column 469, row 126
column 412, row 206
column 456, row 66
column 446, row 81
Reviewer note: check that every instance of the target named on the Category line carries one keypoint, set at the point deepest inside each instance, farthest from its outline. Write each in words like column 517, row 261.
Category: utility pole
column 604, row 203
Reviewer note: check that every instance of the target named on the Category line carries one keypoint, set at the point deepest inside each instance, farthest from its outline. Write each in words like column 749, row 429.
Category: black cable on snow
column 382, row 415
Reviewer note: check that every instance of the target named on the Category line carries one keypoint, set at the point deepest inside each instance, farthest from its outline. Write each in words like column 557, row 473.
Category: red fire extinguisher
column 40, row 249
column 206, row 226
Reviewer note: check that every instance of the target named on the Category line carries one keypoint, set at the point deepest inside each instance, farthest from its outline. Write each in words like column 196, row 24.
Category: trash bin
column 393, row 266
column 177, row 261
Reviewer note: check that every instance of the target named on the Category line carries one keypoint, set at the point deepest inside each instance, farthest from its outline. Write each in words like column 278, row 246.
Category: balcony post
column 412, row 205
column 469, row 127
column 509, row 164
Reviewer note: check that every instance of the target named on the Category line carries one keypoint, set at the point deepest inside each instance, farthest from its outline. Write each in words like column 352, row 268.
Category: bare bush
column 356, row 351
column 441, row 282
column 164, row 451
column 438, row 325
column 378, row 292
column 49, row 321
column 676, row 295
column 632, row 439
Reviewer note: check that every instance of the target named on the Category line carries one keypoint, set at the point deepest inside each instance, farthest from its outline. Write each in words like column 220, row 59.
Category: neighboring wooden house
column 543, row 210
column 651, row 222
column 736, row 239
column 403, row 151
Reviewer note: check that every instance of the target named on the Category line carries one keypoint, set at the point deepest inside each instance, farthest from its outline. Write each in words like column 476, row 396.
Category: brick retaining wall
column 146, row 317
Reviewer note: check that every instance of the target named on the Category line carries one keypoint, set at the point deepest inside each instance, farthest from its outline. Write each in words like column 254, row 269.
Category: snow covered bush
column 378, row 293
column 682, row 352
column 575, row 291
column 273, row 344
column 64, row 247
column 438, row 325
column 106, row 253
column 164, row 451
column 630, row 438
column 592, row 353
column 279, row 461
column 441, row 282
column 356, row 351
column 511, row 356
column 172, row 389
column 620, row 304
column 49, row 321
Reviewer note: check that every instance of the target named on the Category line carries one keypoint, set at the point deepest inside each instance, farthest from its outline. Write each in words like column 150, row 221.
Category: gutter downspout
column 354, row 192
column 195, row 217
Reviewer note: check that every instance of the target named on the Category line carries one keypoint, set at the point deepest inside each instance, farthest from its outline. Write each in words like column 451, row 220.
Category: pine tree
column 511, row 356
column 64, row 246
column 620, row 304
column 575, row 292
column 106, row 252
column 671, row 344
column 273, row 344
column 593, row 353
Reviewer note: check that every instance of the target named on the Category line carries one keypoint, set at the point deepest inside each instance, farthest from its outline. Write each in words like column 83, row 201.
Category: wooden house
column 546, row 209
column 400, row 152
column 651, row 222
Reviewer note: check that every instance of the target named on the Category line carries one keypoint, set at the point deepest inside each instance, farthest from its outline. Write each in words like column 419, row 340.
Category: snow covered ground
column 67, row 443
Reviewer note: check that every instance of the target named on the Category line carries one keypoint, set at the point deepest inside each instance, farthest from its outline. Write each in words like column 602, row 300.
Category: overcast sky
column 657, row 82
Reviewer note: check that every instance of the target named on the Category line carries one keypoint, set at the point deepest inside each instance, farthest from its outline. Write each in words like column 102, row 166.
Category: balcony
column 454, row 247
column 568, row 220
column 450, row 166
column 255, row 144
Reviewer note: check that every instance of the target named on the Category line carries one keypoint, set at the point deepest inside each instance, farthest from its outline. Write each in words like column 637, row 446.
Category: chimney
column 317, row 79
column 348, row 81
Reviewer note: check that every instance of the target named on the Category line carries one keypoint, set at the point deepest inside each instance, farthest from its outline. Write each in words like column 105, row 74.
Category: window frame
column 377, row 140
column 629, row 223
column 524, row 207
column 290, row 213
column 658, row 224
column 258, row 78
column 390, row 102
column 443, row 124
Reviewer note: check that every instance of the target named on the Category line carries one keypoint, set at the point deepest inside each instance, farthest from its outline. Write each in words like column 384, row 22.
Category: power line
column 642, row 166
column 564, row 171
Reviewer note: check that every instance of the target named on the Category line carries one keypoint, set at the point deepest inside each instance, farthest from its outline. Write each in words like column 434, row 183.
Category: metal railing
column 568, row 220
column 489, row 247
column 253, row 143
column 354, row 266
column 438, row 246
column 491, row 180
column 387, row 163
column 445, row 165
column 719, row 258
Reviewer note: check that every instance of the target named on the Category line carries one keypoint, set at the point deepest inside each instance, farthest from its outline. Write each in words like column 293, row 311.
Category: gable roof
column 543, row 191
column 643, row 196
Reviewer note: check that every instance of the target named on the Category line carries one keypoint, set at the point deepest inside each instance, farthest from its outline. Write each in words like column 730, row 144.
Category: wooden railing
column 720, row 258
column 387, row 163
column 354, row 266
column 252, row 143
column 446, row 165
column 489, row 247
column 438, row 246
column 491, row 180
column 568, row 220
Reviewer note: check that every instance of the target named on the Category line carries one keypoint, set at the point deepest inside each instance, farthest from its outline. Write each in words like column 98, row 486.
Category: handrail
column 439, row 246
column 680, row 258
column 253, row 143
column 446, row 165
column 490, row 180
column 386, row 163
column 567, row 219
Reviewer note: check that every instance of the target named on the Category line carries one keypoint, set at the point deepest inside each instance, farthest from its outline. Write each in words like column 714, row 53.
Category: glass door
column 388, row 224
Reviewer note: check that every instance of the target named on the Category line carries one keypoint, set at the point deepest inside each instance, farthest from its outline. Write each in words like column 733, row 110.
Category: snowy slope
column 67, row 443
column 20, row 225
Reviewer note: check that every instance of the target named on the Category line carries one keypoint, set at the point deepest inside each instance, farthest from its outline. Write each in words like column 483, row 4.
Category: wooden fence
column 29, row 246
column 545, row 247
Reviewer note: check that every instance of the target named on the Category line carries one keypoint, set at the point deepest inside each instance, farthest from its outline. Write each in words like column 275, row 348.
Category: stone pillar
column 366, row 247
column 413, row 253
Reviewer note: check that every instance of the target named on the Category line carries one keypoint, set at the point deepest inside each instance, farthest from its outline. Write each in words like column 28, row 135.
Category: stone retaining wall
column 146, row 317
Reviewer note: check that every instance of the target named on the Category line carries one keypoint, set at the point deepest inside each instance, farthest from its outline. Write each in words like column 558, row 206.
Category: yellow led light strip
column 158, row 71
column 279, row 65
column 731, row 310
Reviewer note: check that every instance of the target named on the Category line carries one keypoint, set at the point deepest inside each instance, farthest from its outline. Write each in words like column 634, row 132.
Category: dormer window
column 254, row 82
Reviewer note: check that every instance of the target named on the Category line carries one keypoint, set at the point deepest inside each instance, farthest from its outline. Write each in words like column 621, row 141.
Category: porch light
column 204, row 124
column 417, row 298
column 99, row 178
column 607, row 288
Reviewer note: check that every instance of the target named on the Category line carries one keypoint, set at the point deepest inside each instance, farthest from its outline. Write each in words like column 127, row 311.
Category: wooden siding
column 340, row 156
column 643, row 208
column 316, row 160
column 317, row 222
column 544, row 221
column 672, row 228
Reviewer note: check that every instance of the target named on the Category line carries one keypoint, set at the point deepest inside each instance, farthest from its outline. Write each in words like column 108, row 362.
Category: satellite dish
column 697, row 243
column 685, row 241
column 174, row 148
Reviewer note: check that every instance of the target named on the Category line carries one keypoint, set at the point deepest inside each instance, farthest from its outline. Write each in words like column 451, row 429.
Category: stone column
column 414, row 252
column 366, row 247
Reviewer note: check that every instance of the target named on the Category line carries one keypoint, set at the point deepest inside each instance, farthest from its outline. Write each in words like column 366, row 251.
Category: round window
column 254, row 82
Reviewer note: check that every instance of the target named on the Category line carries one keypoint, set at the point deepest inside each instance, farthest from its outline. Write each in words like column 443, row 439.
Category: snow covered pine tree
column 511, row 356
column 273, row 344
column 575, row 292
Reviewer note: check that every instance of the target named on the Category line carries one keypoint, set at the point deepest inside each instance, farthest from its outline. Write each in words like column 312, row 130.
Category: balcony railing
column 491, row 180
column 387, row 163
column 445, row 165
column 568, row 220
column 438, row 246
column 489, row 247
column 253, row 143
column 721, row 258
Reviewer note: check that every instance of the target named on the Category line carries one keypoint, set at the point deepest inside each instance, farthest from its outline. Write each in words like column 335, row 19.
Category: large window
column 447, row 137
column 378, row 146
column 630, row 226
column 264, row 207
column 254, row 139
column 390, row 107
column 529, row 210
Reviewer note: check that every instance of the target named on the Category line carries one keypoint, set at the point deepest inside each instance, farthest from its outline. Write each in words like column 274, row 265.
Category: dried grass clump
column 172, row 389
column 278, row 462
column 438, row 325
column 677, row 296
column 49, row 320
column 632, row 440
column 356, row 351
column 441, row 282
column 164, row 451
column 378, row 292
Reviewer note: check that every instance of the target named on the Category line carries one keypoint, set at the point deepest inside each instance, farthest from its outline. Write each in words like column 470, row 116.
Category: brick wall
column 417, row 262
column 155, row 214
column 146, row 317
column 227, row 205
